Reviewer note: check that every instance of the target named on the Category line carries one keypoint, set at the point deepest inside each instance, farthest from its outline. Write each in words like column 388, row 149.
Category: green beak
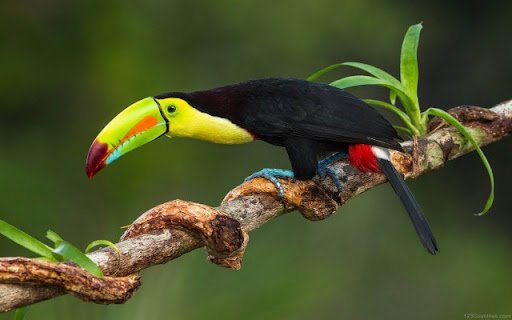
column 135, row 126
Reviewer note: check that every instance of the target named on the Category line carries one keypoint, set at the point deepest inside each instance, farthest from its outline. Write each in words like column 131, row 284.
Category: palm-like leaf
column 406, row 90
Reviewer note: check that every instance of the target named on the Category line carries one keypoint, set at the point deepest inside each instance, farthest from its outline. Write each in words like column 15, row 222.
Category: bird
column 316, row 123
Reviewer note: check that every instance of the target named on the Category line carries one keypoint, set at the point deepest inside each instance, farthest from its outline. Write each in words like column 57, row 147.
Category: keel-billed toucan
column 311, row 120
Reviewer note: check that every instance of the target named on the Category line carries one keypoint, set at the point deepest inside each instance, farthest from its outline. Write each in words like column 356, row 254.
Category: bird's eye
column 171, row 109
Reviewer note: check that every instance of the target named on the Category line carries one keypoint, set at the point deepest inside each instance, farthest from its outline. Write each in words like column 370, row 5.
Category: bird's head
column 153, row 117
column 140, row 123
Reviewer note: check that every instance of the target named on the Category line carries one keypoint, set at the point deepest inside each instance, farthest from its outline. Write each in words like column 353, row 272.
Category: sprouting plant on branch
column 61, row 251
column 403, row 96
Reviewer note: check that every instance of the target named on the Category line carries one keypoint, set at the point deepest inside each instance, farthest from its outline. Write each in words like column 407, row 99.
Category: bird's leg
column 324, row 170
column 272, row 175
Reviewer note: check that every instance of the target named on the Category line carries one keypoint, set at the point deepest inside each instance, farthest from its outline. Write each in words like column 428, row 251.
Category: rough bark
column 172, row 229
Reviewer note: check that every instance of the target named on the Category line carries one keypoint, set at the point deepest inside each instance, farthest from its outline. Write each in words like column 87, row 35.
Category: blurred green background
column 68, row 67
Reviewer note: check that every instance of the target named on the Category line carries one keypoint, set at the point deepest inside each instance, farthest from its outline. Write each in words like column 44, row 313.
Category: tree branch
column 172, row 229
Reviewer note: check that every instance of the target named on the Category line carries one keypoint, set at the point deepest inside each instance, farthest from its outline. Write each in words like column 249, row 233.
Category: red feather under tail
column 362, row 157
column 374, row 159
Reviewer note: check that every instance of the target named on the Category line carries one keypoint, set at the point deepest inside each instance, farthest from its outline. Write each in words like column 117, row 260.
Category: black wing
column 296, row 108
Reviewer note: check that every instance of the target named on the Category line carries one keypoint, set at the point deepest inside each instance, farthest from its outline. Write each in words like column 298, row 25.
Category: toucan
column 310, row 120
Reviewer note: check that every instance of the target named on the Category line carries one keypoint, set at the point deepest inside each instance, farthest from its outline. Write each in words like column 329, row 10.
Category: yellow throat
column 188, row 122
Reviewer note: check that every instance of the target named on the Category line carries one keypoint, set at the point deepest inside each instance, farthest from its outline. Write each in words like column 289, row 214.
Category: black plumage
column 412, row 207
column 311, row 120
column 308, row 119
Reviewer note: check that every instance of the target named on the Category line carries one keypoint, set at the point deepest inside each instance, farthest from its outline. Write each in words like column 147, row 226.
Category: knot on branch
column 222, row 235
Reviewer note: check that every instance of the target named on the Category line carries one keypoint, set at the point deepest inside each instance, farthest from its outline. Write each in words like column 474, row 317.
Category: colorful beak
column 135, row 126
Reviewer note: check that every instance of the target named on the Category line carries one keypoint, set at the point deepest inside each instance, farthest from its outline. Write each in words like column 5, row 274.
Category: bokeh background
column 66, row 68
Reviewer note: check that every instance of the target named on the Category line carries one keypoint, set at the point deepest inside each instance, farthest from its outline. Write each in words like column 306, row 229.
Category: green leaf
column 402, row 115
column 392, row 97
column 403, row 129
column 409, row 62
column 406, row 90
column 455, row 123
column 97, row 243
column 63, row 250
column 53, row 236
column 72, row 253
column 69, row 252
column 25, row 240
column 323, row 71
column 19, row 314
column 376, row 72
column 355, row 81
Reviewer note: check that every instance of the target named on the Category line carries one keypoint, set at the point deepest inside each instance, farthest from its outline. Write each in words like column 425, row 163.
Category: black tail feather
column 411, row 205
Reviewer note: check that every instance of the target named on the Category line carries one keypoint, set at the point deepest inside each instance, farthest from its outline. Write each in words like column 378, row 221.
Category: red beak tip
column 95, row 158
column 90, row 174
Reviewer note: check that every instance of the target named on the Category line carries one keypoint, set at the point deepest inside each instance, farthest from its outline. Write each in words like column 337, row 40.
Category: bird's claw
column 324, row 170
column 272, row 175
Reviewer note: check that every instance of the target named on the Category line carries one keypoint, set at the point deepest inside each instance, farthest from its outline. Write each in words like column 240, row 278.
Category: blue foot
column 324, row 170
column 272, row 175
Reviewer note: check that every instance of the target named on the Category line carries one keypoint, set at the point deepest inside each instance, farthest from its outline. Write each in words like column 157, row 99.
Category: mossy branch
column 172, row 229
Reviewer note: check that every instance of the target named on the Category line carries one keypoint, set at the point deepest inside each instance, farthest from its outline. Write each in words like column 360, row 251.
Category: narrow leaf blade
column 376, row 72
column 314, row 76
column 25, row 240
column 409, row 61
column 402, row 115
column 355, row 81
column 392, row 97
column 106, row 243
column 20, row 313
column 54, row 237
column 455, row 123
column 72, row 253
column 403, row 129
